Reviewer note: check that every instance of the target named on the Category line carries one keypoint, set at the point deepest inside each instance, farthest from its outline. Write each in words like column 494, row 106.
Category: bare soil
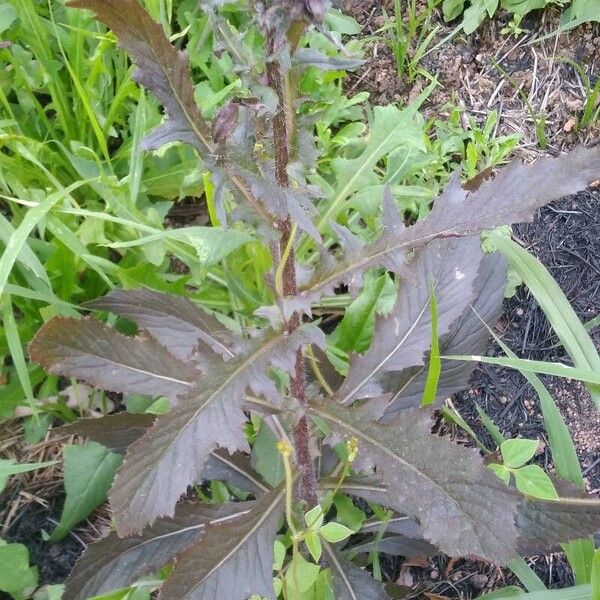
column 521, row 78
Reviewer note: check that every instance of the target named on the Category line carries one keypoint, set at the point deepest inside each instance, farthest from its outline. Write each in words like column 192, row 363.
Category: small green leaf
column 160, row 406
column 596, row 576
column 8, row 468
column 341, row 23
column 533, row 481
column 348, row 513
column 314, row 518
column 300, row 577
column 265, row 458
column 212, row 244
column 17, row 578
column 279, row 553
column 500, row 471
column 8, row 15
column 335, row 532
column 452, row 8
column 355, row 330
column 89, row 472
column 517, row 452
column 313, row 543
column 50, row 592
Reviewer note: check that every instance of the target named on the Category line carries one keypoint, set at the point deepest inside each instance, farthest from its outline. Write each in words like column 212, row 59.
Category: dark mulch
column 54, row 560
column 566, row 238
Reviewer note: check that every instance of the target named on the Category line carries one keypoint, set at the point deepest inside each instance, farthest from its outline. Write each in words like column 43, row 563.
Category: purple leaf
column 402, row 339
column 116, row 562
column 511, row 197
column 176, row 322
column 466, row 336
column 461, row 506
column 233, row 560
column 349, row 581
column 88, row 350
column 160, row 67
column 543, row 524
column 171, row 455
column 116, row 432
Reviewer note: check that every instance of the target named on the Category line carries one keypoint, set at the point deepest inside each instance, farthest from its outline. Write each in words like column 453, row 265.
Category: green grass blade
column 83, row 97
column 596, row 576
column 564, row 456
column 15, row 347
column 453, row 416
column 580, row 592
column 8, row 468
column 435, row 364
column 535, row 366
column 19, row 238
column 490, row 426
column 526, row 575
column 565, row 322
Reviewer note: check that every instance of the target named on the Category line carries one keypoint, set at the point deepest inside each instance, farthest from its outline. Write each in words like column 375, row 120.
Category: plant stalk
column 306, row 485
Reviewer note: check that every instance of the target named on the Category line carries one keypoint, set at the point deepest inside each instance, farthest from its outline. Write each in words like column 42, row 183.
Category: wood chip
column 569, row 125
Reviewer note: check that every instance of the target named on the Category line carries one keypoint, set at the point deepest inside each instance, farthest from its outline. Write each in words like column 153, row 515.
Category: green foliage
column 212, row 374
column 17, row 578
column 294, row 215
column 88, row 474
column 8, row 468
column 531, row 480
column 416, row 32
column 476, row 11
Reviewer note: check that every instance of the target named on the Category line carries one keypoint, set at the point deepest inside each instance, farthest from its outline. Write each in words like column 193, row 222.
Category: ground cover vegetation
column 330, row 285
column 476, row 11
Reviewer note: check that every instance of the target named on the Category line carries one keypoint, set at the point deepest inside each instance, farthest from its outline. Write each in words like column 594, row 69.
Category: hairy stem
column 282, row 123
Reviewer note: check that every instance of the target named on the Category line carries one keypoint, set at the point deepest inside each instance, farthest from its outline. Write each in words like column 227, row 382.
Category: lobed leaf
column 176, row 322
column 543, row 524
column 402, row 339
column 89, row 350
column 165, row 71
column 171, row 455
column 234, row 558
column 395, row 545
column 116, row 432
column 116, row 562
column 349, row 581
column 310, row 57
column 511, row 197
column 160, row 67
column 467, row 334
column 434, row 481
